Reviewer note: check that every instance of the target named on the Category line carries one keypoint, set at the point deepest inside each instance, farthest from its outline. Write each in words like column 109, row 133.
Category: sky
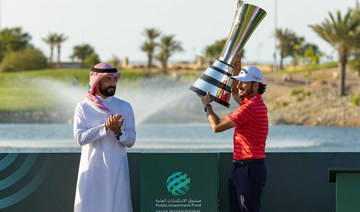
column 114, row 27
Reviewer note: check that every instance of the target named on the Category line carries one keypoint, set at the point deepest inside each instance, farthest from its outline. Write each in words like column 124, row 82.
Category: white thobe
column 103, row 183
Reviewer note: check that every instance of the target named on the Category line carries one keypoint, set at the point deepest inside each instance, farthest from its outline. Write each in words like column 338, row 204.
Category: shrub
column 355, row 99
column 296, row 91
column 300, row 91
column 27, row 59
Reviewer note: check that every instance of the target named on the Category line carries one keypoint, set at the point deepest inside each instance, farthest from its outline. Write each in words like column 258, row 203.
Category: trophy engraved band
column 217, row 78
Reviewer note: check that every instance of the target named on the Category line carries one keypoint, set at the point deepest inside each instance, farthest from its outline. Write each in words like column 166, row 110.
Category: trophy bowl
column 217, row 78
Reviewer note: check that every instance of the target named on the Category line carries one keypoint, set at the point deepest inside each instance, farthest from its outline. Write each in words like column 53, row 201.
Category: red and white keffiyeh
column 98, row 72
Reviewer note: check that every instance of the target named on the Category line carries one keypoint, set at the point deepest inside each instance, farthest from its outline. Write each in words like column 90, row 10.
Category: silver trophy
column 216, row 78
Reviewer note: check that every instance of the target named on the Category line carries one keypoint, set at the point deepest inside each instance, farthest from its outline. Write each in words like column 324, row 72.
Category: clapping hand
column 114, row 123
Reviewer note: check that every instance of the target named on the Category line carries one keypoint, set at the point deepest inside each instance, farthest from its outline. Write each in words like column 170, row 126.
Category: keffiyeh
column 98, row 72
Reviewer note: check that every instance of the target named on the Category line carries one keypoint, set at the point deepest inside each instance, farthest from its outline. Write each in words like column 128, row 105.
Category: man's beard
column 247, row 92
column 107, row 91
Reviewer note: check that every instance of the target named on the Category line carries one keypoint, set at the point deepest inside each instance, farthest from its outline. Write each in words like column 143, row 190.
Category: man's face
column 107, row 86
column 246, row 89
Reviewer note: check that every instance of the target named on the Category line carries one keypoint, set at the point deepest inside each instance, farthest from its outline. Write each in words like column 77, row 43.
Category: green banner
column 178, row 182
column 37, row 181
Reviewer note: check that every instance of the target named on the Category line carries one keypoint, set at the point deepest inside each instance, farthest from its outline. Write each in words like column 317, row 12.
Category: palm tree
column 60, row 38
column 82, row 52
column 287, row 39
column 342, row 33
column 150, row 45
column 51, row 41
column 168, row 46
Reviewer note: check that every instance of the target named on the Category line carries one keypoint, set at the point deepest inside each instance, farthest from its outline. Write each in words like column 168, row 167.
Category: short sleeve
column 243, row 115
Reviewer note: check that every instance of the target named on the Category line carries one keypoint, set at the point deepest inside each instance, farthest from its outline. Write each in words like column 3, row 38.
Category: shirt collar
column 104, row 100
column 253, row 98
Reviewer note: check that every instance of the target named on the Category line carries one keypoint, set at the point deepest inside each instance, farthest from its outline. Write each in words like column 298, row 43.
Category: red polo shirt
column 251, row 129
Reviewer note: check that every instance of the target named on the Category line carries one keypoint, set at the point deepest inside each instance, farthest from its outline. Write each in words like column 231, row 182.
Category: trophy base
column 213, row 98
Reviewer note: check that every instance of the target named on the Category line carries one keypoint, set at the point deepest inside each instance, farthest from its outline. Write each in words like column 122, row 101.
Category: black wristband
column 206, row 106
column 118, row 135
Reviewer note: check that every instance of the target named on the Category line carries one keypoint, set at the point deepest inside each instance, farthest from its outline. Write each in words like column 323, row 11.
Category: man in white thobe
column 104, row 126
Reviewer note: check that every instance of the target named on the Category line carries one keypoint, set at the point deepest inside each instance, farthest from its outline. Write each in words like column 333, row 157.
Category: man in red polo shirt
column 248, row 173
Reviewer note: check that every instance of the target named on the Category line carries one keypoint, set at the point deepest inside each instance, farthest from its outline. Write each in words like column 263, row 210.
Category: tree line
column 18, row 54
column 340, row 31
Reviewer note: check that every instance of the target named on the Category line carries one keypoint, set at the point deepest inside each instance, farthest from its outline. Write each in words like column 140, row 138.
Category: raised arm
column 217, row 124
column 236, row 71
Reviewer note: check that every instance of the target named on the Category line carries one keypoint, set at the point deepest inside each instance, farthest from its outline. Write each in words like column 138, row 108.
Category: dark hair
column 262, row 88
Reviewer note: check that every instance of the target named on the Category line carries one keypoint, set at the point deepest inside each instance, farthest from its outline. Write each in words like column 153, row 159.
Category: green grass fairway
column 25, row 90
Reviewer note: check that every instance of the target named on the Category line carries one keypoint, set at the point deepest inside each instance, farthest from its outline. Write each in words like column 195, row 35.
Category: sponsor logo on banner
column 178, row 183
